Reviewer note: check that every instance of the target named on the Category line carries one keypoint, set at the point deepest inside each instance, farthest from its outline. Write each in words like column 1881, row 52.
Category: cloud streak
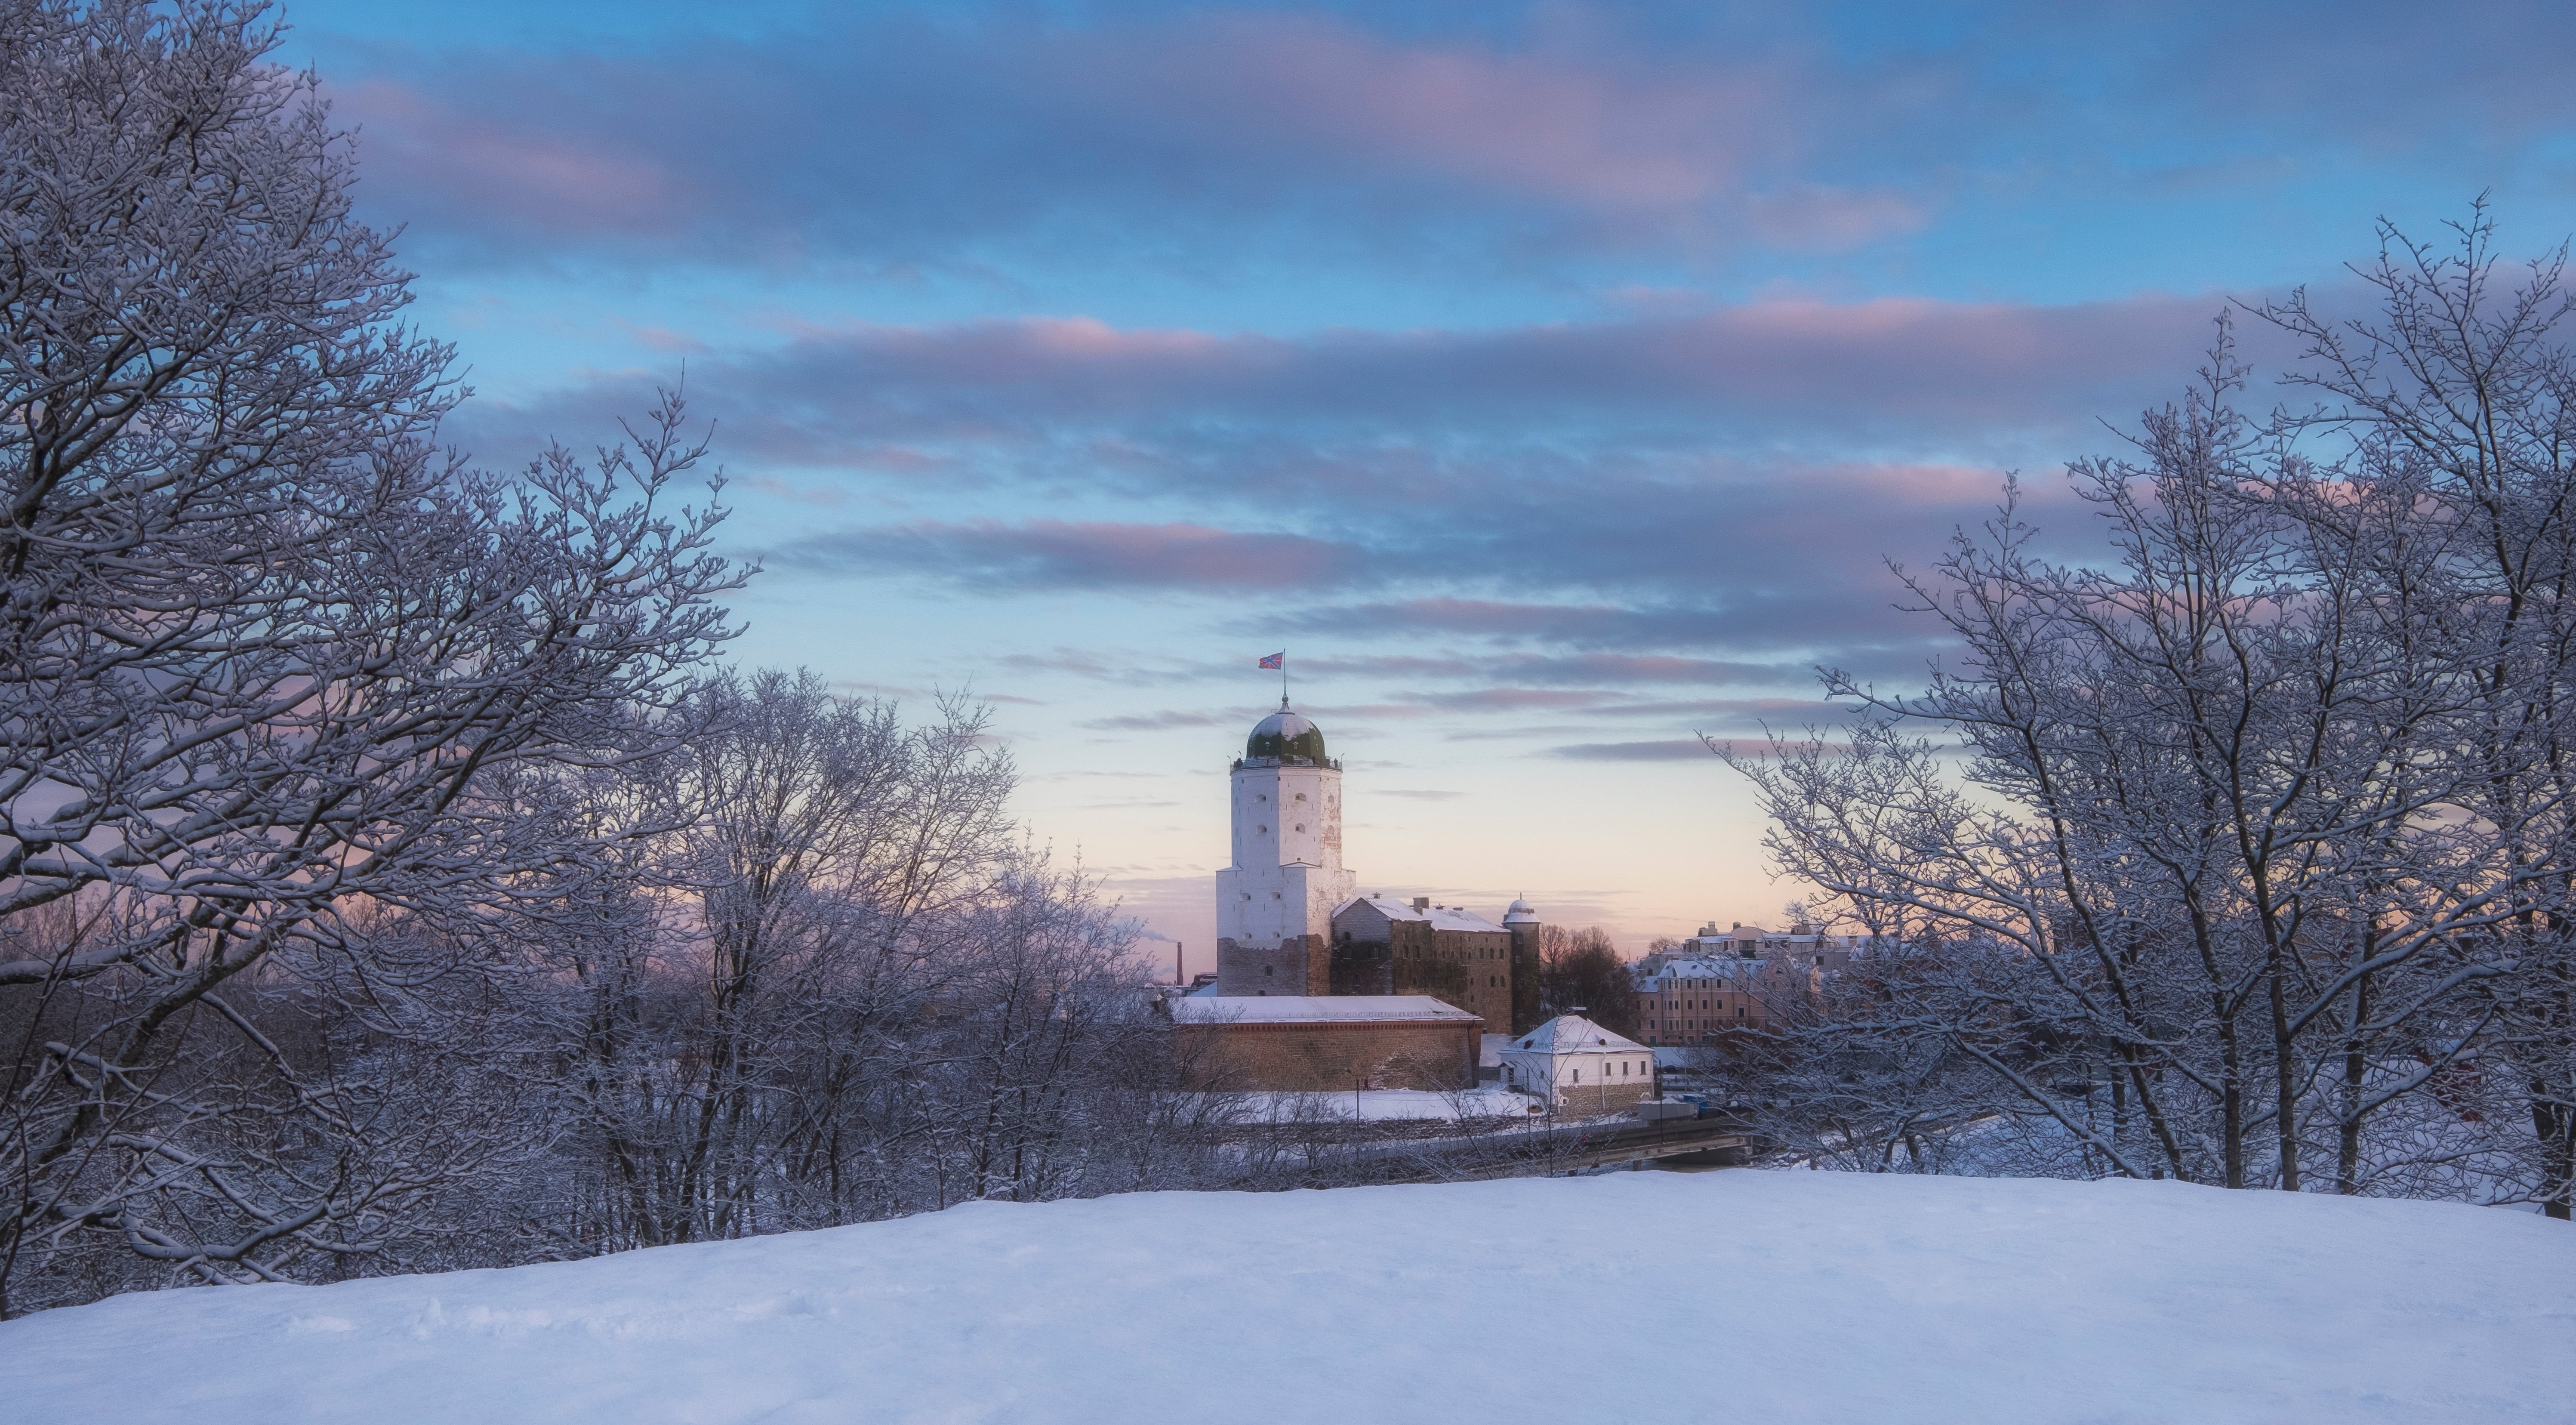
column 1057, row 554
column 1669, row 750
column 895, row 138
column 1889, row 368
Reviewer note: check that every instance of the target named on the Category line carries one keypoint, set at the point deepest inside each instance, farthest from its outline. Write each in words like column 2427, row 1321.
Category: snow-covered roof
column 1793, row 939
column 1315, row 1009
column 1489, row 1053
column 1441, row 917
column 1572, row 1034
column 1726, row 968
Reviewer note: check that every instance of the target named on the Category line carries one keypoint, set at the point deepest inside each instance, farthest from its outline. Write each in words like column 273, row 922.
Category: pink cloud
column 1881, row 364
column 1834, row 219
column 661, row 338
column 472, row 159
column 1586, row 129
column 897, row 137
column 1064, row 553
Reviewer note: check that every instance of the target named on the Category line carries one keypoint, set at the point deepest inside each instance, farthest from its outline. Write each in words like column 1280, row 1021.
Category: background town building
column 1720, row 981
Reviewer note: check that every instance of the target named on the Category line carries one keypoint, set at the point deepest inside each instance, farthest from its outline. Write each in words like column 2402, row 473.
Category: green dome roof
column 1287, row 737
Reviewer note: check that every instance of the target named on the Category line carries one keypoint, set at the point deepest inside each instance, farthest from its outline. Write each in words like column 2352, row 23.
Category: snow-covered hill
column 1639, row 1297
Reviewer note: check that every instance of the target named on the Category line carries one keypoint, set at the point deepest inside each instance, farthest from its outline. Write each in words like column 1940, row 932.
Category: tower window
column 1301, row 796
column 1301, row 826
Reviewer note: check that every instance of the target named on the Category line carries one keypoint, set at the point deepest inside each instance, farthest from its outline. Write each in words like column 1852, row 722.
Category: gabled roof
column 1725, row 967
column 1440, row 917
column 1316, row 1009
column 1571, row 1034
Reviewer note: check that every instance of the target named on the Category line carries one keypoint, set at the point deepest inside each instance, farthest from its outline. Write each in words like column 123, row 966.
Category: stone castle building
column 1386, row 947
column 1291, row 923
column 1290, row 919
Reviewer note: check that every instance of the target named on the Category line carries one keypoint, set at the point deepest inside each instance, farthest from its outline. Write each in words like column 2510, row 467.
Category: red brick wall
column 1327, row 1058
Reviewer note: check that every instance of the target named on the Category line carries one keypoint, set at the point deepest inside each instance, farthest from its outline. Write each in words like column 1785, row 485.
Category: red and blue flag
column 1276, row 660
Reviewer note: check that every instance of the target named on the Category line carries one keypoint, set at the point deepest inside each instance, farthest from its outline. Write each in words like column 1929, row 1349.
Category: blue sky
column 1553, row 382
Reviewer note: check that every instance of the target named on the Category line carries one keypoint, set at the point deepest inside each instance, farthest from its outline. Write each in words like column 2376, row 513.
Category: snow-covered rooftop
column 1728, row 967
column 1441, row 917
column 1571, row 1034
column 1902, row 1299
column 1313, row 1009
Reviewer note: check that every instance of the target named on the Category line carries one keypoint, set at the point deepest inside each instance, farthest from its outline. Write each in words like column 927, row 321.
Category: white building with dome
column 1275, row 902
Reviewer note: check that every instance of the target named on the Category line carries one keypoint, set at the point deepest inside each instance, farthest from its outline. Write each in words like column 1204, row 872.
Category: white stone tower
column 1275, row 904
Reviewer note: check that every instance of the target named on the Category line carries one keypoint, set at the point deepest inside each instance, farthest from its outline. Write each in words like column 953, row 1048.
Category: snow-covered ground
column 1756, row 1296
column 1382, row 1106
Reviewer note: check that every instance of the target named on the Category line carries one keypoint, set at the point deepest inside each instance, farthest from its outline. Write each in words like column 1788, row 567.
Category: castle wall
column 1478, row 967
column 1329, row 1057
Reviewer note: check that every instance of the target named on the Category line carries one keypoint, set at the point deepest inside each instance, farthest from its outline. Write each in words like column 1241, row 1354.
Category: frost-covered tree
column 844, row 991
column 278, row 671
column 2257, row 874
